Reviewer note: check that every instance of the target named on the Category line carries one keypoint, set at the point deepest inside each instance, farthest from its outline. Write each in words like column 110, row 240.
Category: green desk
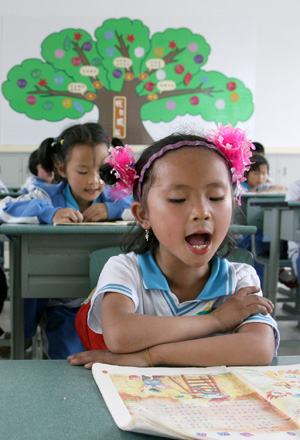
column 51, row 400
column 281, row 221
column 53, row 262
column 11, row 194
column 290, row 222
column 290, row 230
column 239, row 215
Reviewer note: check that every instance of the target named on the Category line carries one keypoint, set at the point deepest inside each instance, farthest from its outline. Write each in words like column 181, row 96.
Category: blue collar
column 218, row 284
column 247, row 187
column 70, row 201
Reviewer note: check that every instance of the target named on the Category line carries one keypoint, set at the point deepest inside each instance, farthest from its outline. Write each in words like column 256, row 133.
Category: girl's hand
column 67, row 215
column 88, row 358
column 95, row 213
column 239, row 307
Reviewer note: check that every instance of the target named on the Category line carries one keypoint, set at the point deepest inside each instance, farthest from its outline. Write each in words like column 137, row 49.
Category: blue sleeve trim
column 115, row 287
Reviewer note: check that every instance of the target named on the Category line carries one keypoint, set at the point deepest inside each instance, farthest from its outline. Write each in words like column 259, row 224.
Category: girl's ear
column 140, row 215
column 60, row 168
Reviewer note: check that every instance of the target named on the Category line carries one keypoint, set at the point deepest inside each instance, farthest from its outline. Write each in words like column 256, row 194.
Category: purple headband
column 230, row 142
column 171, row 147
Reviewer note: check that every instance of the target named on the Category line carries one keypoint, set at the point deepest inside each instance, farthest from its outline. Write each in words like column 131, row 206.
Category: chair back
column 238, row 255
column 98, row 259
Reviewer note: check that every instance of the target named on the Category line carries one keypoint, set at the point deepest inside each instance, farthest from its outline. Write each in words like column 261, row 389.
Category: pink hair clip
column 232, row 142
column 122, row 160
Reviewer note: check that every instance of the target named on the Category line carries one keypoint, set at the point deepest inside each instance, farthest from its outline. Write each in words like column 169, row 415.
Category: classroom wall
column 277, row 86
column 274, row 27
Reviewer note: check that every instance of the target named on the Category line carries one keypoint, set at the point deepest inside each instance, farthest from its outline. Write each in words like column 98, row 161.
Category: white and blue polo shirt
column 140, row 278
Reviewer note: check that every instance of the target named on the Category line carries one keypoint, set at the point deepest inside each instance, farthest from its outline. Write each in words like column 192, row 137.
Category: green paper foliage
column 162, row 75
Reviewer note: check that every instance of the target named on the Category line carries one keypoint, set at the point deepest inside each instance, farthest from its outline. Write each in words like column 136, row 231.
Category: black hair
column 259, row 148
column 33, row 162
column 135, row 239
column 57, row 149
column 256, row 161
column 105, row 169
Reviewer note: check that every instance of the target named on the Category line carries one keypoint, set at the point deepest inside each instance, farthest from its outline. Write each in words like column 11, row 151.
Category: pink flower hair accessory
column 234, row 145
column 122, row 161
column 232, row 142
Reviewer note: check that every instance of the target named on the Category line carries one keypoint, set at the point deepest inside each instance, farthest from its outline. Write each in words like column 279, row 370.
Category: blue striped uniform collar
column 70, row 201
column 220, row 282
column 153, row 277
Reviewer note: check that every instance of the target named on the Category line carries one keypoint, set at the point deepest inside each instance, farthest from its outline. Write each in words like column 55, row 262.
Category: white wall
column 277, row 84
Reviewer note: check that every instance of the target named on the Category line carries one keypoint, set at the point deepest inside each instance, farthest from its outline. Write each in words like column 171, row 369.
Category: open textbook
column 204, row 403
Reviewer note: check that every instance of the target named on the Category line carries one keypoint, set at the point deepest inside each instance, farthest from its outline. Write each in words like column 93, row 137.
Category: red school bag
column 89, row 339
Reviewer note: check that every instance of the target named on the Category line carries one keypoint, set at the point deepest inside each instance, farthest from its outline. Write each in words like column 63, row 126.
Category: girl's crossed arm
column 252, row 344
column 183, row 340
column 125, row 331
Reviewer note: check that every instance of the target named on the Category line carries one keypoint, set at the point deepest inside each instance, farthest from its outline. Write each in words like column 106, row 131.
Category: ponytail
column 116, row 142
column 106, row 169
column 46, row 154
column 57, row 149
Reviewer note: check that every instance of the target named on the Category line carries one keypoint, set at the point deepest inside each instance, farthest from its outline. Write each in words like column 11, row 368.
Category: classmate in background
column 77, row 155
column 257, row 176
column 171, row 300
column 259, row 148
column 39, row 176
column 3, row 188
column 260, row 151
column 3, row 296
